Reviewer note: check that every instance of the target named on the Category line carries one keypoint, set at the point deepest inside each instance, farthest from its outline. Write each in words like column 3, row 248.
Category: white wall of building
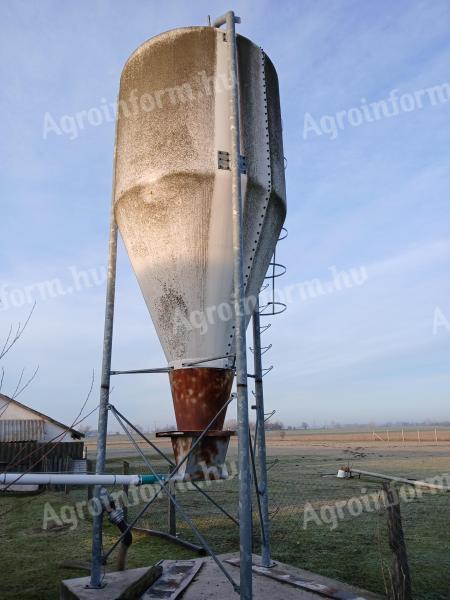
column 15, row 411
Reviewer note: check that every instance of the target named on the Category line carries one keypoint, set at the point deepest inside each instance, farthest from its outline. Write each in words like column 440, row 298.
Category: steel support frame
column 164, row 487
column 172, row 474
column 173, row 465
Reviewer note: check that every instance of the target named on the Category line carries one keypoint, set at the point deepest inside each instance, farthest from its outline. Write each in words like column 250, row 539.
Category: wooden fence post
column 401, row 578
column 125, row 471
column 172, row 513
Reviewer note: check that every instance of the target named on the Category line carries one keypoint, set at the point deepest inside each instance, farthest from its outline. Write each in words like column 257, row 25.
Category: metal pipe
column 413, row 482
column 96, row 565
column 139, row 371
column 172, row 538
column 216, row 504
column 144, row 437
column 223, row 19
column 261, row 439
column 73, row 479
column 258, row 497
column 245, row 491
column 190, row 363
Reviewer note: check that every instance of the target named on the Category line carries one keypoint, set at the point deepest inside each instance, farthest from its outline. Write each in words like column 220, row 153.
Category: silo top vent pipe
column 223, row 19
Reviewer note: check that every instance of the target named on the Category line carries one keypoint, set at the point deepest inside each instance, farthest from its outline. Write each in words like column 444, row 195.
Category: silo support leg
column 245, row 487
column 96, row 565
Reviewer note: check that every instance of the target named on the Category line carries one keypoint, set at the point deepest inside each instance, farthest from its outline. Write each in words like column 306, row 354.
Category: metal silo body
column 172, row 199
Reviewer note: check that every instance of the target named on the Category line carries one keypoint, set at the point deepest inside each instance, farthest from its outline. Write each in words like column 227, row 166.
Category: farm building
column 32, row 441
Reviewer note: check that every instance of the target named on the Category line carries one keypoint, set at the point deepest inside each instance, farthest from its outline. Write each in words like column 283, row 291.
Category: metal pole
column 96, row 565
column 413, row 482
column 261, row 439
column 258, row 497
column 125, row 488
column 172, row 511
column 77, row 479
column 245, row 491
column 216, row 504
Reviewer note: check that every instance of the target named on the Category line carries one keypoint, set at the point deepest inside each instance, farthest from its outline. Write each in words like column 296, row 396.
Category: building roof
column 29, row 426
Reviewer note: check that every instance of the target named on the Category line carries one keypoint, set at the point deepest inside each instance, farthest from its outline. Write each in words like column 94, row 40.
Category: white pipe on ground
column 81, row 479
column 67, row 479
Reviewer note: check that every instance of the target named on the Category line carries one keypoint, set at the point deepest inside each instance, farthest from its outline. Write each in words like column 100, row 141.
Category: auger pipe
column 77, row 479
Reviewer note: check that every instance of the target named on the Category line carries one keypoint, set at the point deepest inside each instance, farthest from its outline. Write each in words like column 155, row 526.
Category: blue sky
column 374, row 199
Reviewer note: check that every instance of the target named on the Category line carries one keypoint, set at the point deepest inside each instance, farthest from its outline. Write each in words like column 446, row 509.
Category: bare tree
column 13, row 336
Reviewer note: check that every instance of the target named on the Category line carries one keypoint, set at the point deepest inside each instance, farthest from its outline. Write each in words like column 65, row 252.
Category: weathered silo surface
column 173, row 195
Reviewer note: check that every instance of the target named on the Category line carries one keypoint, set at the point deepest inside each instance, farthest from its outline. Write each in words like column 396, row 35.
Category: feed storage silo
column 172, row 200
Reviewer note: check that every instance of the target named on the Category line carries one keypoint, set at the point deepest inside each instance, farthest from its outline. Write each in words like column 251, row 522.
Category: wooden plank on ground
column 177, row 575
column 138, row 587
column 299, row 582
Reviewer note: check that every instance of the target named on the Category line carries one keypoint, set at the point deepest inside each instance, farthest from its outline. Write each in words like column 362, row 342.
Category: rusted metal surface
column 283, row 576
column 207, row 460
column 175, row 578
column 198, row 394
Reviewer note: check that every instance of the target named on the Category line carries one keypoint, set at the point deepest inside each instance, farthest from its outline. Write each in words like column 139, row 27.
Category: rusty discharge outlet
column 198, row 394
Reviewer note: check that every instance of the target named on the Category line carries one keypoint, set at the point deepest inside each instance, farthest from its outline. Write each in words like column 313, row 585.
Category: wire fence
column 335, row 527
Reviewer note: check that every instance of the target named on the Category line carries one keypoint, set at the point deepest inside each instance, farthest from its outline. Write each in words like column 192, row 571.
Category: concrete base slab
column 115, row 586
column 211, row 584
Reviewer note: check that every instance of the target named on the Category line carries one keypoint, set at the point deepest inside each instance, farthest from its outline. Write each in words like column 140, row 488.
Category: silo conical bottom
column 198, row 394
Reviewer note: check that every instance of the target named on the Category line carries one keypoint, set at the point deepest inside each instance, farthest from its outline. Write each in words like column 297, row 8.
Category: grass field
column 352, row 548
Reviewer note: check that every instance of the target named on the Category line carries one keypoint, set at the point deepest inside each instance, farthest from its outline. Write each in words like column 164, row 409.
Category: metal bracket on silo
column 223, row 162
